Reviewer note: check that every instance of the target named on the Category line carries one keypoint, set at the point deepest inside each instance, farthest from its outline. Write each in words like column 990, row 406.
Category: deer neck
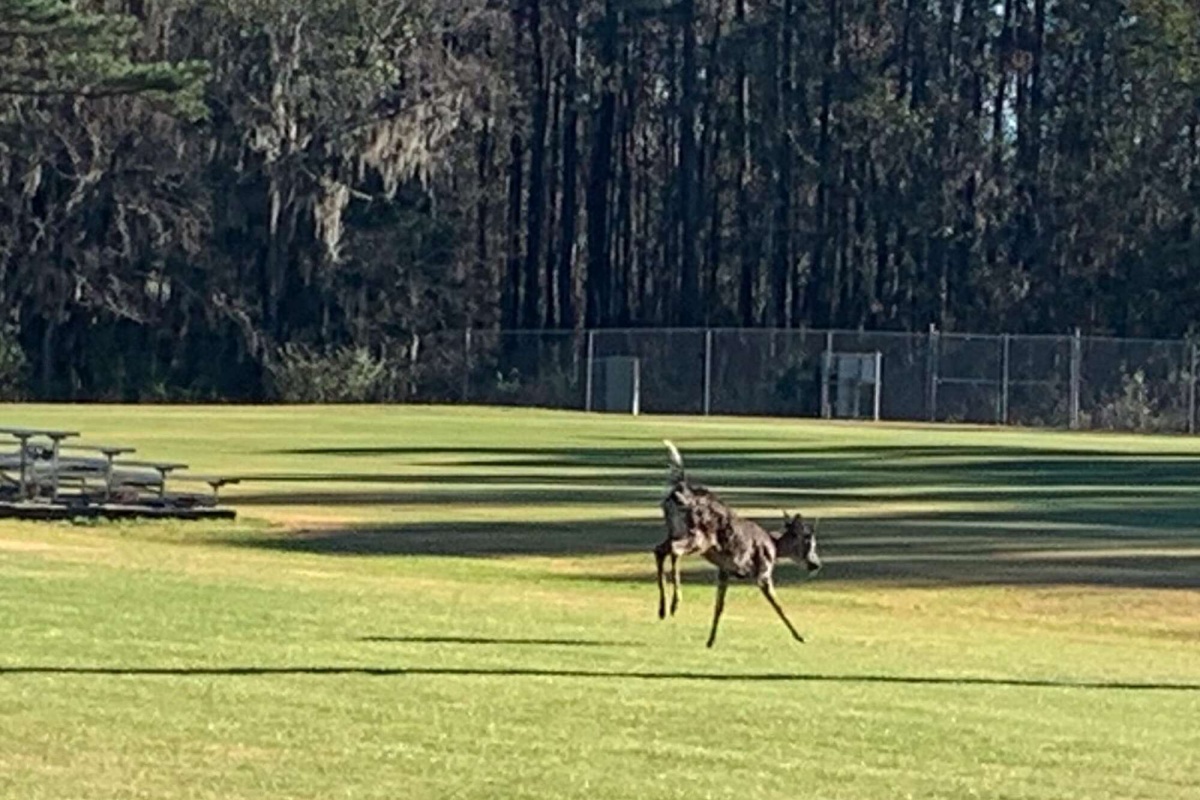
column 787, row 546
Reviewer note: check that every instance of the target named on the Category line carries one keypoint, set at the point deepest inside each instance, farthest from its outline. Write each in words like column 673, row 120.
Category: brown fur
column 699, row 522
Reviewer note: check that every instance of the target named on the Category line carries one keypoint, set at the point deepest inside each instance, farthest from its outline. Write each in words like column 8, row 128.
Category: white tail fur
column 676, row 461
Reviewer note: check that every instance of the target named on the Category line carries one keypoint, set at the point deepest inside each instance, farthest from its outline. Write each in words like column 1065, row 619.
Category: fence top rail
column 1041, row 337
column 1134, row 340
column 800, row 331
column 997, row 337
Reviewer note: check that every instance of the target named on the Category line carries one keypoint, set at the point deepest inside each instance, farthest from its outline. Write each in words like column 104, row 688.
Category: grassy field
column 434, row 603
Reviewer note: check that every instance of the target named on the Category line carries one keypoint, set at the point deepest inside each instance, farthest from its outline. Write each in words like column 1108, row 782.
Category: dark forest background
column 196, row 192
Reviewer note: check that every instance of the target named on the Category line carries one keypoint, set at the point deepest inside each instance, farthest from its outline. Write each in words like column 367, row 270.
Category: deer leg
column 675, row 590
column 660, row 556
column 768, row 590
column 722, row 587
column 676, row 549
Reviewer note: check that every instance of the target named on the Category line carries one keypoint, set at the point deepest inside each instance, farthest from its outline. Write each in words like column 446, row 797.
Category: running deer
column 699, row 522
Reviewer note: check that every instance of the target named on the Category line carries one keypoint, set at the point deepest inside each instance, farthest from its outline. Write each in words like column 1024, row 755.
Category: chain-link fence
column 1046, row 381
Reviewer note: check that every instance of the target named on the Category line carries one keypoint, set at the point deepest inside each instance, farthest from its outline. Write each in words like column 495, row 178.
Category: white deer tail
column 676, row 462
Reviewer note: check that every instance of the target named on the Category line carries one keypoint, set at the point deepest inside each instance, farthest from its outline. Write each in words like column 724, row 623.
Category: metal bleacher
column 48, row 476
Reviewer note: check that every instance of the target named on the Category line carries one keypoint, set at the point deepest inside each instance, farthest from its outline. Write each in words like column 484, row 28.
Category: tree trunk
column 689, row 269
column 511, row 291
column 626, row 252
column 536, row 217
column 568, row 214
column 823, row 288
column 483, row 160
column 796, row 92
column 747, row 251
column 710, row 288
column 554, row 207
column 599, row 273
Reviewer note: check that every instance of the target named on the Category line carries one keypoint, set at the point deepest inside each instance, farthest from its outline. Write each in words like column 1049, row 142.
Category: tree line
column 193, row 189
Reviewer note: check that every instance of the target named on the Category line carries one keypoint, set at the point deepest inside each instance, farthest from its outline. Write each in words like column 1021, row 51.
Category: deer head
column 799, row 541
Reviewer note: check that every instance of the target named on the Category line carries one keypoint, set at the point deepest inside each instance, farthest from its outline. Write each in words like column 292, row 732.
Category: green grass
column 430, row 603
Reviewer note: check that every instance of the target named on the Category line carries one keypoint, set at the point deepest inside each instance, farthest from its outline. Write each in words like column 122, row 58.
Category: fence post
column 1076, row 378
column 933, row 366
column 708, row 342
column 466, row 386
column 878, row 394
column 413, row 352
column 637, row 386
column 1192, row 388
column 591, row 357
column 826, row 372
column 1004, row 356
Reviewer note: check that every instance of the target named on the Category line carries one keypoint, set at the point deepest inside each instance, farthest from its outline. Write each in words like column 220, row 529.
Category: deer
column 698, row 522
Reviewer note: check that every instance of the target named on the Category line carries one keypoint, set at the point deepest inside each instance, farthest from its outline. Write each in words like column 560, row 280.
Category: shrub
column 1134, row 408
column 300, row 374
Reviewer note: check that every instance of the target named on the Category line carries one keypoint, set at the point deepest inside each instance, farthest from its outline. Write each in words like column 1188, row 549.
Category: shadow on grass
column 489, row 640
column 530, row 672
column 651, row 453
column 924, row 550
column 1037, row 516
column 467, row 539
column 831, row 466
column 807, row 467
column 513, row 477
column 532, row 489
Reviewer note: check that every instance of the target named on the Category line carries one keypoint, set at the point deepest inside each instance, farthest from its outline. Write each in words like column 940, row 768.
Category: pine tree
column 50, row 48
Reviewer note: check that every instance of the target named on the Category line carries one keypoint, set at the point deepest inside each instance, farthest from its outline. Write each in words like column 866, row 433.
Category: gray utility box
column 616, row 384
column 854, row 380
